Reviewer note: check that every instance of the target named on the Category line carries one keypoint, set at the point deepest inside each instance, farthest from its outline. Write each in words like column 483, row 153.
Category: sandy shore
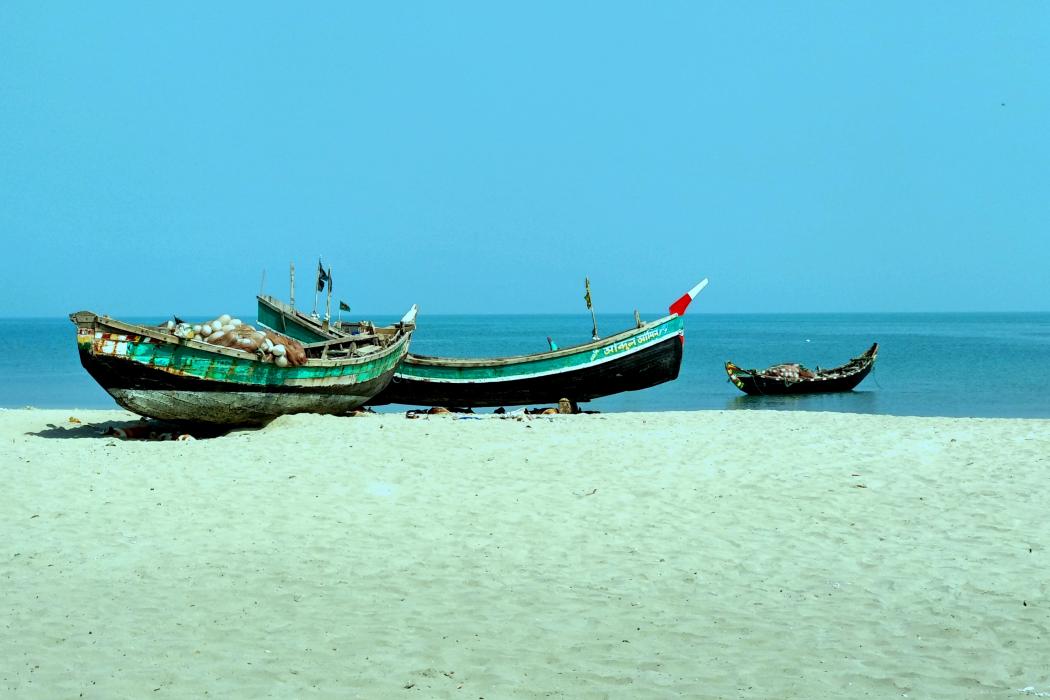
column 703, row 555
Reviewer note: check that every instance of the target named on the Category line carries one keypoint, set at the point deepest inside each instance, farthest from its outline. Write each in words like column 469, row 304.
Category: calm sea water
column 982, row 365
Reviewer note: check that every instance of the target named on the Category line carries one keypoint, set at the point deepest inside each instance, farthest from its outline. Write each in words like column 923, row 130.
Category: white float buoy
column 281, row 361
column 278, row 350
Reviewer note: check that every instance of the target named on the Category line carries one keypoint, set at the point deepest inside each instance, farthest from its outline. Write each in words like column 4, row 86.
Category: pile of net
column 230, row 332
column 792, row 372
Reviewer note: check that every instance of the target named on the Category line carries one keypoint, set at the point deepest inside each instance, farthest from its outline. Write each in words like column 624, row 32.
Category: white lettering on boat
column 630, row 343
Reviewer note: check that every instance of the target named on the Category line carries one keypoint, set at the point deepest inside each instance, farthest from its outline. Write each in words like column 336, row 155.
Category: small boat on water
column 793, row 378
column 159, row 372
column 637, row 358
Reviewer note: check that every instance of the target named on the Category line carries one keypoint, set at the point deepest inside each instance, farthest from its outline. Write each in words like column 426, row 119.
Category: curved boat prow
column 410, row 316
column 682, row 303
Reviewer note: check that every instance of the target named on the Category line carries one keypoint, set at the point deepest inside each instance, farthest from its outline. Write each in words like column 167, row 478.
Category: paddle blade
column 682, row 303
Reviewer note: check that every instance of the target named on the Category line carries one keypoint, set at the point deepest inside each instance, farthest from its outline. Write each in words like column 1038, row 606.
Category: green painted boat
column 633, row 359
column 636, row 358
column 276, row 315
column 155, row 373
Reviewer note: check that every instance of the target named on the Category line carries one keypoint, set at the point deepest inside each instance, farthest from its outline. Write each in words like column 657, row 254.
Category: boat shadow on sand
column 137, row 429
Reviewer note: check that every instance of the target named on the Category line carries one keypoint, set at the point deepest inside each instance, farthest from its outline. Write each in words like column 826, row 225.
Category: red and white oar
column 683, row 301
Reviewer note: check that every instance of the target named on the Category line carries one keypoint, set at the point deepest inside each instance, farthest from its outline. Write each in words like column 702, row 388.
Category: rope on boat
column 873, row 377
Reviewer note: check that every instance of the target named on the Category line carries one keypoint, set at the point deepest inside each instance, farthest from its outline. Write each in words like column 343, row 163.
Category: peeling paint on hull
column 230, row 406
column 155, row 374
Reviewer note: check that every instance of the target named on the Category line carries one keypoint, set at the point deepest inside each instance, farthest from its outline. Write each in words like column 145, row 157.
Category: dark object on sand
column 796, row 379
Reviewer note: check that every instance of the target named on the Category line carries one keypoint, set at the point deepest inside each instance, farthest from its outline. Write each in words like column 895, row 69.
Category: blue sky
column 483, row 158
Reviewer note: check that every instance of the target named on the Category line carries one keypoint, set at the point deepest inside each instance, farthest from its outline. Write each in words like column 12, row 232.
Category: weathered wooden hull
column 757, row 385
column 760, row 386
column 157, row 375
column 167, row 396
column 629, row 361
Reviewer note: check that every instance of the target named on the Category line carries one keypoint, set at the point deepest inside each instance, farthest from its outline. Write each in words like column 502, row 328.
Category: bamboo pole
column 317, row 285
column 328, row 300
column 587, row 297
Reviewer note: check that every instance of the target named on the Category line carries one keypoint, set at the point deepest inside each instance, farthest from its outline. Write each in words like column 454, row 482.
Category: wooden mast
column 587, row 298
column 328, row 300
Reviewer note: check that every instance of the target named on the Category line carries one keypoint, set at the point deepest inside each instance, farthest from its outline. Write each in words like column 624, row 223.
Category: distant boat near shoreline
column 793, row 378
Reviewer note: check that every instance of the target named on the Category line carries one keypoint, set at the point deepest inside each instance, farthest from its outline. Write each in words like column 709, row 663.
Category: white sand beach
column 738, row 554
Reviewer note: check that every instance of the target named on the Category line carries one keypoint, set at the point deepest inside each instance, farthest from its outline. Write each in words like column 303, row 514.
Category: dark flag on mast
column 343, row 306
column 322, row 277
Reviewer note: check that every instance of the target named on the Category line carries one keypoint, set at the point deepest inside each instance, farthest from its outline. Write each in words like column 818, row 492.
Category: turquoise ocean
column 979, row 365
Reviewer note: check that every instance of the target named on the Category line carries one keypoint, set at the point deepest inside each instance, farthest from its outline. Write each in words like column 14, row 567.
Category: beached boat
column 793, row 378
column 637, row 358
column 154, row 372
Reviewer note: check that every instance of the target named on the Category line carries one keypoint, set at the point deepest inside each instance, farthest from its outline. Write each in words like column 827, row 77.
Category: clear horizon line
column 492, row 314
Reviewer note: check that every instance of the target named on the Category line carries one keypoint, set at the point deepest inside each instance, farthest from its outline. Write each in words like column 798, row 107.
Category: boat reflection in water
column 848, row 402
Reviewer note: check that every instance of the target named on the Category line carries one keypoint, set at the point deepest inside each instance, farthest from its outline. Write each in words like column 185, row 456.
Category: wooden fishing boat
column 275, row 314
column 796, row 379
column 153, row 372
column 637, row 358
